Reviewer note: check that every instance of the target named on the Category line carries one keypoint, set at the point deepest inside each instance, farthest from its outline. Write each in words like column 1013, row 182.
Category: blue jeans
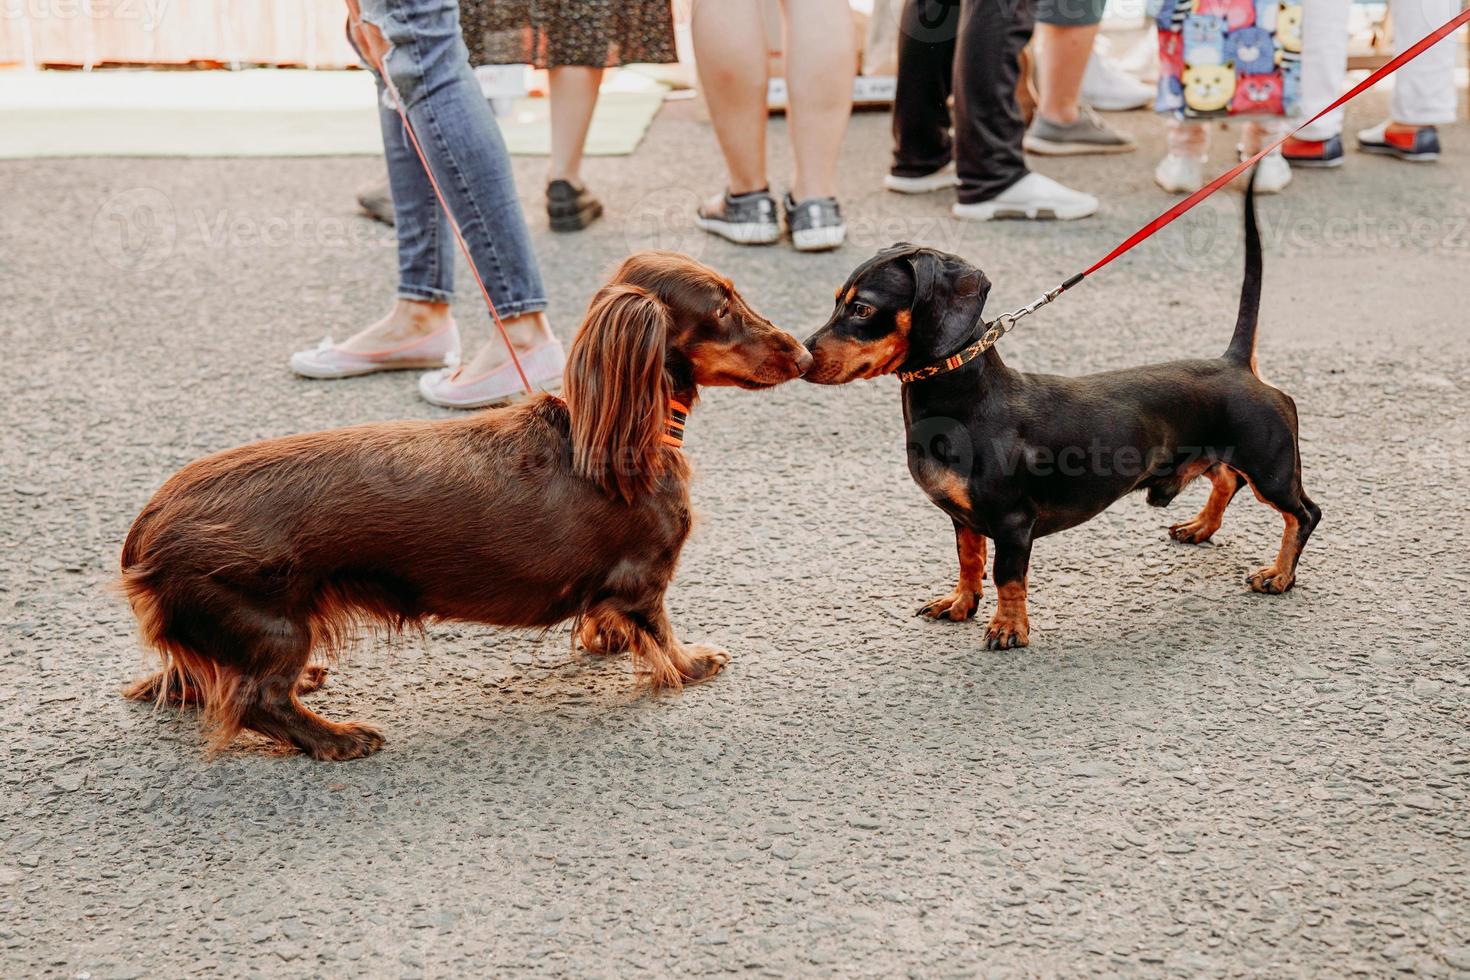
column 429, row 65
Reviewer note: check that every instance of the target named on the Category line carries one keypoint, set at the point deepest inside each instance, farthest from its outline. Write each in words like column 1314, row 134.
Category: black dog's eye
column 862, row 310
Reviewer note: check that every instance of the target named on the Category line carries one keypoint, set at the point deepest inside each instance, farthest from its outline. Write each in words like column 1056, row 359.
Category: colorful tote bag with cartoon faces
column 1223, row 58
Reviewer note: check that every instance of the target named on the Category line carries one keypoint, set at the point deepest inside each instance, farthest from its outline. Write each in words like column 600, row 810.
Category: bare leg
column 409, row 320
column 961, row 604
column 820, row 63
column 1064, row 53
column 573, row 97
column 526, row 331
column 730, row 49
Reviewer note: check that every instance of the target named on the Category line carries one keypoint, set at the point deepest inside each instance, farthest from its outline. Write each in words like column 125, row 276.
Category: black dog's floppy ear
column 949, row 296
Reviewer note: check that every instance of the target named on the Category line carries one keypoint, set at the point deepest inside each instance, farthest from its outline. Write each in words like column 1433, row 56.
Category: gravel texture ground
column 1178, row 776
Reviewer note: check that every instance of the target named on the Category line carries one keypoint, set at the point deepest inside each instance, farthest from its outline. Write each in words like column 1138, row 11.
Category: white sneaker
column 944, row 177
column 1033, row 197
column 543, row 366
column 1108, row 88
column 328, row 362
column 1180, row 175
column 1273, row 173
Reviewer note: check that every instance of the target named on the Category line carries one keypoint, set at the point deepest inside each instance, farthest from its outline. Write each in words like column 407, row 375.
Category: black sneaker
column 816, row 224
column 747, row 219
column 570, row 208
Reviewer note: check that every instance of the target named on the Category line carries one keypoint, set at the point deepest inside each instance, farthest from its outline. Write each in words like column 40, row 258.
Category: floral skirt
column 553, row 33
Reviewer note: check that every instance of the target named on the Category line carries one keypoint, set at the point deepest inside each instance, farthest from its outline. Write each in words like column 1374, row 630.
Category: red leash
column 1154, row 226
column 454, row 226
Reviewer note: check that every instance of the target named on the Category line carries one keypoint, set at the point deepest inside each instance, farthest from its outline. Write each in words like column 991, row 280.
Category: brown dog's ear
column 949, row 296
column 617, row 391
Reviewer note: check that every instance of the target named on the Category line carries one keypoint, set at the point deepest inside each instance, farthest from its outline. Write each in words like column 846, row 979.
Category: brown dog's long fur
column 249, row 563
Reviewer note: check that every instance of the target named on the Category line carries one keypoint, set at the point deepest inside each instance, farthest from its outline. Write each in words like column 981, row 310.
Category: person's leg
column 820, row 64
column 926, row 45
column 987, row 121
column 573, row 97
column 1324, row 65
column 730, row 52
column 994, row 181
column 428, row 64
column 1065, row 48
column 418, row 331
column 1424, row 89
column 569, row 205
column 1065, row 32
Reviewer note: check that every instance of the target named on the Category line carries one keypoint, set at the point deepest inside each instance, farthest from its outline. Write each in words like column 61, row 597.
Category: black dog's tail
column 1242, row 347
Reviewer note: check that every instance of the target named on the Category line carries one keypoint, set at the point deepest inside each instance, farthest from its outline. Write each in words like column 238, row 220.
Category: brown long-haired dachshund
column 251, row 566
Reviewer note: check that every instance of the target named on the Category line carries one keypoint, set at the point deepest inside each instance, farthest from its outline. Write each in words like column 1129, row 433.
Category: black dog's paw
column 1007, row 633
column 1194, row 531
column 956, row 607
column 1268, row 581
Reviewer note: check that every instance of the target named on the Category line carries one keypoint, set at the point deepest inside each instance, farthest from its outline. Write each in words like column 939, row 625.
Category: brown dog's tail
column 1242, row 347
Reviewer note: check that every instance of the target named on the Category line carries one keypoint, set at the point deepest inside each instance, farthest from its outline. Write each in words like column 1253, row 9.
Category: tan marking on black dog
column 1204, row 524
column 961, row 604
column 1009, row 627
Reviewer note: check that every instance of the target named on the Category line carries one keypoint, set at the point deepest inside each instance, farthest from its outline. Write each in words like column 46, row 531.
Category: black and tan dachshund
column 1013, row 457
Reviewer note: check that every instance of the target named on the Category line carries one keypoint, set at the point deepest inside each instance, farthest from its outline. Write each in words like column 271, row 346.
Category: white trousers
column 1423, row 90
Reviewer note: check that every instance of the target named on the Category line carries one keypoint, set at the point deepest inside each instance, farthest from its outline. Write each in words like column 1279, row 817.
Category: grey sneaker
column 1088, row 134
column 816, row 224
column 376, row 200
column 746, row 219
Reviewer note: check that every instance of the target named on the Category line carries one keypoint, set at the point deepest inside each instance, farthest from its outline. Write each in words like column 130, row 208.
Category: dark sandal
column 570, row 208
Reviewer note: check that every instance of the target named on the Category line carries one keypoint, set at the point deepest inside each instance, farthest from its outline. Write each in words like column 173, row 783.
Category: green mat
column 618, row 126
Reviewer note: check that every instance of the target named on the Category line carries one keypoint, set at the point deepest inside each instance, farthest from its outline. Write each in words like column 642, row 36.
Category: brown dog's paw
column 311, row 680
column 704, row 662
column 1193, row 531
column 149, row 688
column 352, row 740
column 957, row 607
column 604, row 637
column 1006, row 633
column 1268, row 581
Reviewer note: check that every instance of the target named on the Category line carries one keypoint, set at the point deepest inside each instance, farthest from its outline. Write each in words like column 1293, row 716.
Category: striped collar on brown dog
column 674, row 427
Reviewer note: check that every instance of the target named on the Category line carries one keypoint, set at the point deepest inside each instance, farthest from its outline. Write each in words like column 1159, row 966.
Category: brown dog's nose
column 803, row 362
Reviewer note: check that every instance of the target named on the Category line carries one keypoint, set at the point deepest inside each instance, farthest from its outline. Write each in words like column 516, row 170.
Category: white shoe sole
column 1388, row 151
column 818, row 239
column 1046, row 148
column 1177, row 188
column 1104, row 106
column 753, row 234
column 321, row 372
column 1002, row 211
column 927, row 184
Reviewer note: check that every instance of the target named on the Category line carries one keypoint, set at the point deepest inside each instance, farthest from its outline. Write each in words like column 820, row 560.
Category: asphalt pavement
column 1177, row 776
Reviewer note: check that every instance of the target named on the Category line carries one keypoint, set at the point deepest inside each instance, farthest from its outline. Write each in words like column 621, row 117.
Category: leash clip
column 1006, row 322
